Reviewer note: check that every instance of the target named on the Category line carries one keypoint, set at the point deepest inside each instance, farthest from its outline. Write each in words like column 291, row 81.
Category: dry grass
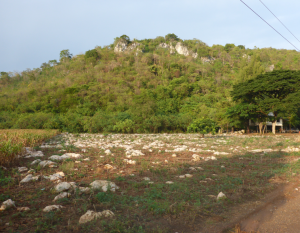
column 12, row 142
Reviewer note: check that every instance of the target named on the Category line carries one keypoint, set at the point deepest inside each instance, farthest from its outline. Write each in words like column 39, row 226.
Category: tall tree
column 276, row 92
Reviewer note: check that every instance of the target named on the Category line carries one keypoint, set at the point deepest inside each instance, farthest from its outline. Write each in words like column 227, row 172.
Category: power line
column 279, row 20
column 270, row 25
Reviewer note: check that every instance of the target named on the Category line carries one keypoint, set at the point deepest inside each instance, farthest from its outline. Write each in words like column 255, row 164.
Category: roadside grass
column 13, row 141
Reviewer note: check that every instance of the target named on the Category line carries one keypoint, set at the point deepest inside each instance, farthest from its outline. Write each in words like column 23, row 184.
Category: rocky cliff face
column 123, row 46
column 179, row 48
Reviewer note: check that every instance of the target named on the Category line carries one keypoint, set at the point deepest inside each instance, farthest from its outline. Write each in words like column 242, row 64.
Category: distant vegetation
column 130, row 92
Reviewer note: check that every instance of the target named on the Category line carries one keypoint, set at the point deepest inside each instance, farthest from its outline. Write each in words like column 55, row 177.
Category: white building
column 279, row 123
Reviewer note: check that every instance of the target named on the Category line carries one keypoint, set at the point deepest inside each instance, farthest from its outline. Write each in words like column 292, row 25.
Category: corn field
column 13, row 142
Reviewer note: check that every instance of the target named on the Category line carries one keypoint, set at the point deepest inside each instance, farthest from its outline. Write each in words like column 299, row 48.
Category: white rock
column 7, row 205
column 59, row 158
column 86, row 159
column 192, row 169
column 196, row 157
column 35, row 154
column 84, row 189
column 91, row 215
column 220, row 196
column 174, row 155
column 77, row 161
column 36, row 161
column 169, row 182
column 222, row 166
column 23, row 208
column 166, row 161
column 181, row 176
column 108, row 167
column 29, row 178
column 22, row 169
column 146, row 178
column 108, row 152
column 188, row 175
column 104, row 185
column 127, row 161
column 62, row 195
column 48, row 163
column 72, row 155
column 56, row 176
column 200, row 168
column 63, row 186
column 52, row 208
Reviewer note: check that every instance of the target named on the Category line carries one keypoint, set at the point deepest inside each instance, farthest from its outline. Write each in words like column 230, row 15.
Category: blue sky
column 35, row 31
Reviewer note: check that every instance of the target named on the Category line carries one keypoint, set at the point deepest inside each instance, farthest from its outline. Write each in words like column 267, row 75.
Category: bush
column 203, row 126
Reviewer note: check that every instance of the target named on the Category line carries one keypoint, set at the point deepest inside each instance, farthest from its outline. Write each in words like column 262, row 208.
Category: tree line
column 151, row 91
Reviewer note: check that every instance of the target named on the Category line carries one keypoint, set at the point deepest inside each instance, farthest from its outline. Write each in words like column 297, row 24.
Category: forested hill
column 151, row 85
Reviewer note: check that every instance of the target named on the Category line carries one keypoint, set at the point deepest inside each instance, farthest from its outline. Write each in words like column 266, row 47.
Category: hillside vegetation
column 144, row 89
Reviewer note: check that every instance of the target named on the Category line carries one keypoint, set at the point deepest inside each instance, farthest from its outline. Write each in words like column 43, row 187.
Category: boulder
column 29, row 178
column 7, row 205
column 91, row 215
column 63, row 186
column 62, row 195
column 52, row 208
column 22, row 169
column 104, row 185
column 221, row 196
column 47, row 163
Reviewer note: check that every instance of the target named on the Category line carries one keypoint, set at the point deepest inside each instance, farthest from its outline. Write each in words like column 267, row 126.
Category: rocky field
column 144, row 182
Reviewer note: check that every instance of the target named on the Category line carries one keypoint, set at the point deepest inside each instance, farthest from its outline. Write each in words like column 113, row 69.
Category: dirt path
column 280, row 215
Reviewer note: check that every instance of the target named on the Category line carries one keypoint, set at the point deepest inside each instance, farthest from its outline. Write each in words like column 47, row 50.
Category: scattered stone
column 132, row 175
column 84, row 189
column 146, row 178
column 7, row 205
column 59, row 158
column 62, row 195
column 36, row 161
column 222, row 166
column 196, row 157
column 108, row 167
column 21, row 209
column 166, row 161
column 84, row 150
column 52, row 208
column 151, row 182
column 188, row 175
column 174, row 155
column 48, row 163
column 91, row 215
column 31, row 171
column 220, row 196
column 108, row 152
column 192, row 169
column 77, row 161
column 35, row 154
column 200, row 168
column 63, row 186
column 169, row 182
column 104, row 185
column 182, row 176
column 29, row 178
column 22, row 169
column 72, row 155
column 127, row 161
column 86, row 159
column 56, row 176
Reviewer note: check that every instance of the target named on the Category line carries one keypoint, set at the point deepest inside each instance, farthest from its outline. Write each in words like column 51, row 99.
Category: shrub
column 203, row 126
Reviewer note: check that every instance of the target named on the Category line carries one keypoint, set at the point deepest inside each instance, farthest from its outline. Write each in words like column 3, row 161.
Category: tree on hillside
column 171, row 37
column 277, row 92
column 65, row 54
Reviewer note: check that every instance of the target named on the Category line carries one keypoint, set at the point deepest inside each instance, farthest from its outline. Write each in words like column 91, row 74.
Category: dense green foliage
column 153, row 91
column 277, row 92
